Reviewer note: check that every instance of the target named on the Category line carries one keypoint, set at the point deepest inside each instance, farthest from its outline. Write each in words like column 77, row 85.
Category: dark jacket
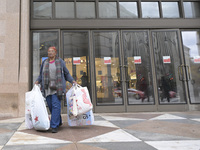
column 64, row 74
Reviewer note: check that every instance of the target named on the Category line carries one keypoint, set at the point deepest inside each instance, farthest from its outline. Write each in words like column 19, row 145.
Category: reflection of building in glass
column 195, row 7
column 191, row 52
column 198, row 40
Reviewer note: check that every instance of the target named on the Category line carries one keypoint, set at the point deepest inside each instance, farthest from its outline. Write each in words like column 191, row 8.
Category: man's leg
column 49, row 102
column 56, row 109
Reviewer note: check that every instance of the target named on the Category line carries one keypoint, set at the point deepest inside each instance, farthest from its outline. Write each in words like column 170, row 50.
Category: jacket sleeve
column 66, row 73
column 39, row 79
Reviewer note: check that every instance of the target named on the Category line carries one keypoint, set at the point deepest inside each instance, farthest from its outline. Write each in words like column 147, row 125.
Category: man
column 53, row 77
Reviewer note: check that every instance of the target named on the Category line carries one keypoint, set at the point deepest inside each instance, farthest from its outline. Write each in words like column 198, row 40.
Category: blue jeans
column 54, row 105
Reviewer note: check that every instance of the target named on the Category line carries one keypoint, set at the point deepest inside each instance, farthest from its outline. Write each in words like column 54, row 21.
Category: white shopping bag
column 29, row 96
column 79, row 120
column 39, row 115
column 72, row 107
column 81, row 100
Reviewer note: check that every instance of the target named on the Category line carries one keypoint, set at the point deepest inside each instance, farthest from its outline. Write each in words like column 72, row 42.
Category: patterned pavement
column 111, row 131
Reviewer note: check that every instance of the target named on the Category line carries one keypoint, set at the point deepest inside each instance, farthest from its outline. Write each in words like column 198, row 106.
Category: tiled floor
column 111, row 131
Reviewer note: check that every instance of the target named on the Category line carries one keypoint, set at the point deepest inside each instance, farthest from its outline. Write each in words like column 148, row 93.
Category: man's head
column 52, row 51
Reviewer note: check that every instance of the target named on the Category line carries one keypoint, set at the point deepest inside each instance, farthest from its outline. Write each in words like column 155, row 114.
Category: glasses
column 51, row 52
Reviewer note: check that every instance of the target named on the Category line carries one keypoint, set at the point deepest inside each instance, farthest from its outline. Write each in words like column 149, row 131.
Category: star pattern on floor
column 146, row 130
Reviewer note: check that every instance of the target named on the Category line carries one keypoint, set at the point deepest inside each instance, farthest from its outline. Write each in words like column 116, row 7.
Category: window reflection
column 150, row 10
column 170, row 10
column 191, row 42
column 138, row 71
column 42, row 10
column 107, row 10
column 41, row 43
column 85, row 9
column 76, row 57
column 64, row 9
column 167, row 63
column 108, row 85
column 192, row 9
column 128, row 10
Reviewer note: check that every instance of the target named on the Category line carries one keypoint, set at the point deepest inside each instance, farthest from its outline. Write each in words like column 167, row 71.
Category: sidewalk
column 111, row 131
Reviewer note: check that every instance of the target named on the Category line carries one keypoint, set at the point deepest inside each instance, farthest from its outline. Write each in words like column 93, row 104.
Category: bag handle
column 76, row 86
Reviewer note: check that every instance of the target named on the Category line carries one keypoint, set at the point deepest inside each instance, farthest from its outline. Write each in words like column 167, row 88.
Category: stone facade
column 14, row 56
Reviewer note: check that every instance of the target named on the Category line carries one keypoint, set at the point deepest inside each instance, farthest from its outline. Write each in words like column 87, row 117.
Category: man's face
column 51, row 53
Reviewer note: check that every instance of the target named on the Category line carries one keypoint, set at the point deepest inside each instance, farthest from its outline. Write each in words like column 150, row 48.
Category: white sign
column 196, row 59
column 166, row 59
column 137, row 60
column 107, row 60
column 76, row 60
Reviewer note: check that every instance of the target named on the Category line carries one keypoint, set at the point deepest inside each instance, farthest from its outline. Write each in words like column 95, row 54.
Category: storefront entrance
column 126, row 71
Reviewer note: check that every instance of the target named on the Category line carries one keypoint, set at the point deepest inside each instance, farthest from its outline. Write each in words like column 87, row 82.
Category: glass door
column 169, row 71
column 138, row 67
column 41, row 41
column 75, row 45
column 108, row 73
column 138, row 71
column 191, row 46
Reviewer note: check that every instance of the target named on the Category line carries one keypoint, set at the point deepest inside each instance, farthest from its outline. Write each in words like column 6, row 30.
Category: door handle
column 180, row 72
column 188, row 72
column 126, row 71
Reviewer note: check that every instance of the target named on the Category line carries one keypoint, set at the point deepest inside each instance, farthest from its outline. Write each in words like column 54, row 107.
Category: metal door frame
column 125, row 107
column 136, row 108
column 140, row 107
column 187, row 79
column 172, row 107
column 105, row 108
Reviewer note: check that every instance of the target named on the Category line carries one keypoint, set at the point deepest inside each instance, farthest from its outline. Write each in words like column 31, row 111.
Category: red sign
column 197, row 59
column 76, row 60
column 137, row 60
column 107, row 60
column 166, row 59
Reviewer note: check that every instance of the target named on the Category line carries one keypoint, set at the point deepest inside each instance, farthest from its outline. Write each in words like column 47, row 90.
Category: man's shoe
column 54, row 130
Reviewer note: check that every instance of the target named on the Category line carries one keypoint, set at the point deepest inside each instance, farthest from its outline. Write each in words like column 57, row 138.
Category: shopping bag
column 79, row 120
column 81, row 100
column 71, row 103
column 29, row 96
column 38, row 109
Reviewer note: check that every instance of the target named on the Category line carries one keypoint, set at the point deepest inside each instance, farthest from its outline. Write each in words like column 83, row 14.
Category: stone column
column 24, row 54
column 14, row 56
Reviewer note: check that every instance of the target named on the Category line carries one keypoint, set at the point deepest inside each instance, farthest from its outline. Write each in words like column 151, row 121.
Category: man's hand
column 74, row 82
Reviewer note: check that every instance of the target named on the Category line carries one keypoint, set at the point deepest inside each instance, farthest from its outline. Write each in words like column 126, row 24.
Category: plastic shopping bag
column 69, row 98
column 79, row 120
column 81, row 100
column 29, row 96
column 39, row 115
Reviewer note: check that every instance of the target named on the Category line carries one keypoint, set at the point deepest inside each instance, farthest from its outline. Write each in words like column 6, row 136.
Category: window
column 128, row 9
column 192, row 58
column 192, row 9
column 41, row 42
column 64, row 10
column 170, row 10
column 150, row 10
column 107, row 10
column 85, row 9
column 42, row 10
column 51, row 9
